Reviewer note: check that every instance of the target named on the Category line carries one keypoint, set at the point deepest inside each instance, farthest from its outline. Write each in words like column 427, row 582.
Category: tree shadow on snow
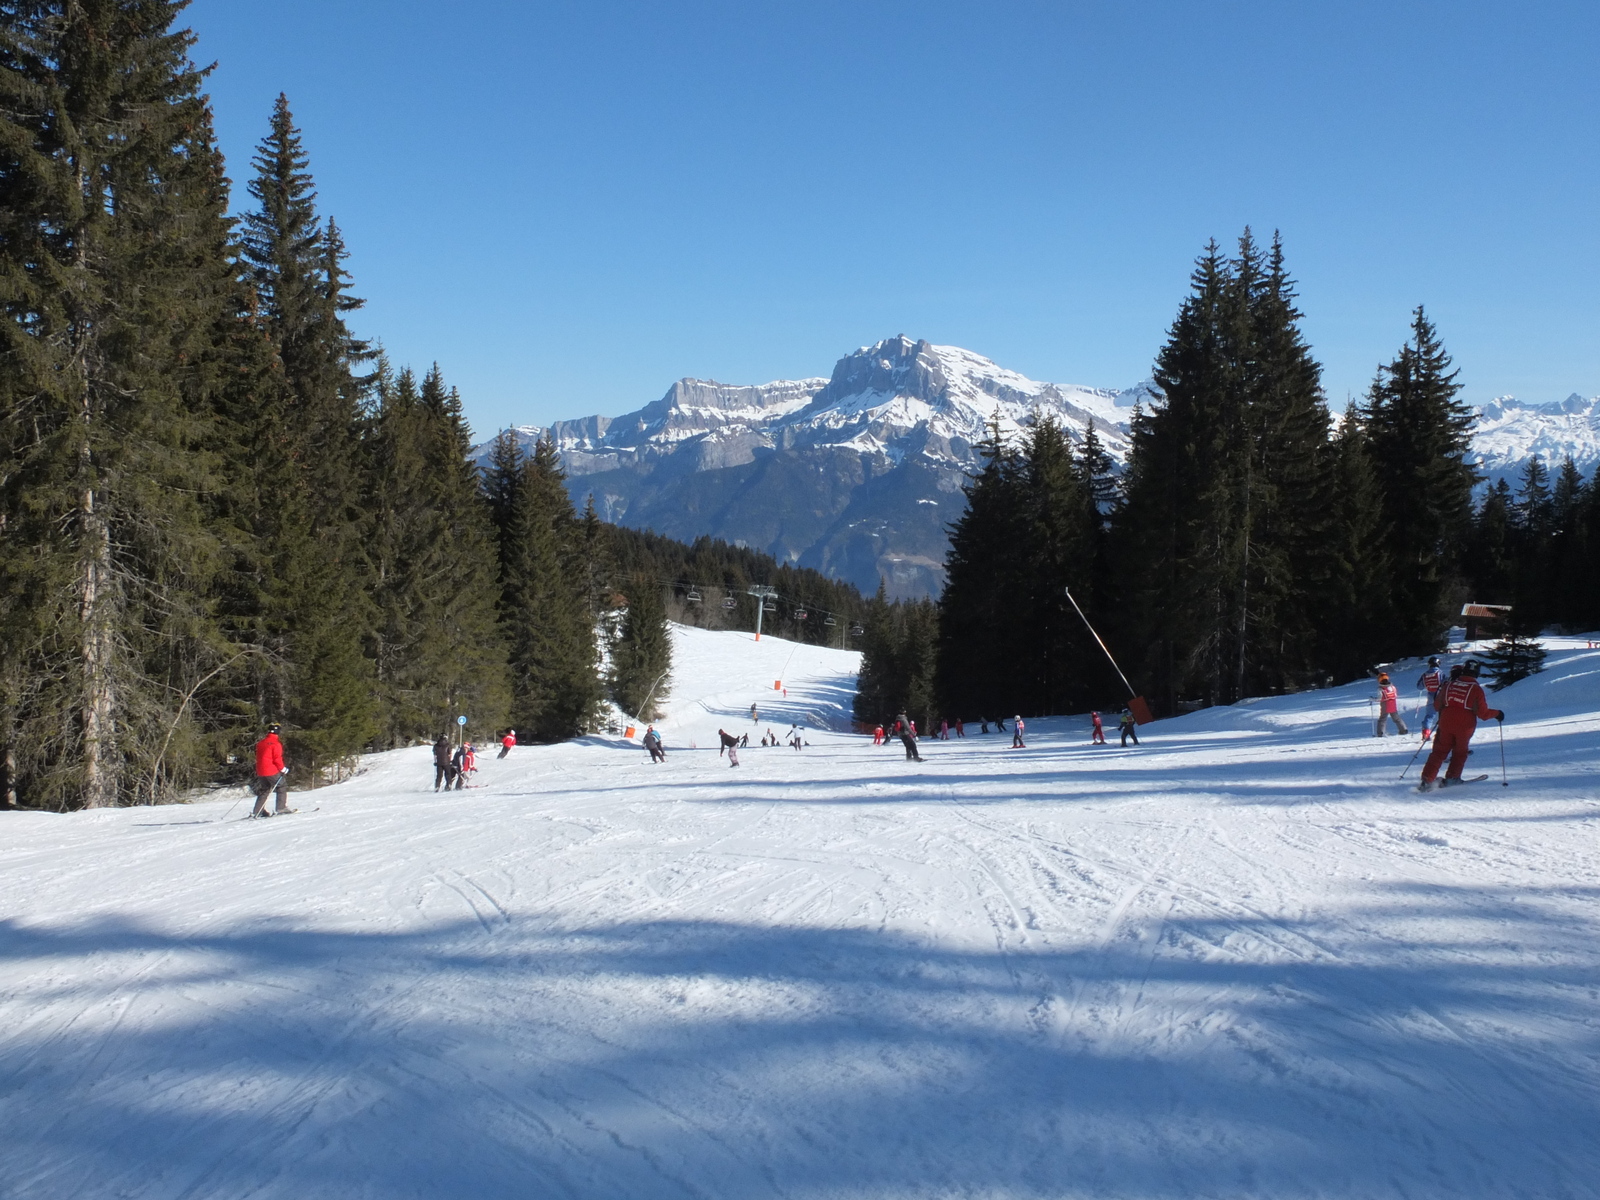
column 1205, row 1052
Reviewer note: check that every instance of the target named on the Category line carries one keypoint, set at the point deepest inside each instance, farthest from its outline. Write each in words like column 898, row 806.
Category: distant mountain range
column 858, row 474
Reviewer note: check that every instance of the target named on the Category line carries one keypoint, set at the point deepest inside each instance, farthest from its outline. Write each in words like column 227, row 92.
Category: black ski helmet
column 1433, row 660
column 273, row 727
column 1471, row 667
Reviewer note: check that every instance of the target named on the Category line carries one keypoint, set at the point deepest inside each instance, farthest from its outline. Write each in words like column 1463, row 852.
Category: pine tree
column 1057, row 552
column 544, row 612
column 979, row 609
column 877, row 687
column 1515, row 656
column 1569, row 549
column 436, row 647
column 1095, row 470
column 1354, row 596
column 1492, row 557
column 118, row 300
column 641, row 658
column 1223, row 538
column 1176, row 532
column 316, row 614
column 1419, row 436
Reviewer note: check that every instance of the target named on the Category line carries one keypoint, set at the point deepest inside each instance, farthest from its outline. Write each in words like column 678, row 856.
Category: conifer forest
column 1255, row 544
column 220, row 507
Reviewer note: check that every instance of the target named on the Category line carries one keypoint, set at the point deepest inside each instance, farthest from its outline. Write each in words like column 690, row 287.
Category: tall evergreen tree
column 316, row 613
column 1057, row 551
column 978, row 611
column 544, row 611
column 1223, row 535
column 641, row 657
column 1419, row 436
column 116, row 298
column 1355, row 600
column 436, row 646
column 1569, row 548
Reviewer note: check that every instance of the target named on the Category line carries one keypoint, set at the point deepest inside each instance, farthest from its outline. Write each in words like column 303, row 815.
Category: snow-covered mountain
column 856, row 475
column 1509, row 432
column 860, row 474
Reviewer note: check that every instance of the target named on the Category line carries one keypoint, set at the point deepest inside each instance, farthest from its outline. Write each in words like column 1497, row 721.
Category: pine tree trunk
column 99, row 782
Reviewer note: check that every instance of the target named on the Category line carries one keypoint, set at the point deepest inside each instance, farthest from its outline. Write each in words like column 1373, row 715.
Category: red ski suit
column 269, row 755
column 1460, row 705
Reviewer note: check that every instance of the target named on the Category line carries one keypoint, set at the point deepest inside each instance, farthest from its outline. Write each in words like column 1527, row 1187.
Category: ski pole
column 1502, row 725
column 1420, row 745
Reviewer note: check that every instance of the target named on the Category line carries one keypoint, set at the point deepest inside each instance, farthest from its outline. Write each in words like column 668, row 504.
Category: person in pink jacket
column 1388, row 705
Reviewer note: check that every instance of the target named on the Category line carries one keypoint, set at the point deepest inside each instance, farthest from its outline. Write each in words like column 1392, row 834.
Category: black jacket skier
column 443, row 772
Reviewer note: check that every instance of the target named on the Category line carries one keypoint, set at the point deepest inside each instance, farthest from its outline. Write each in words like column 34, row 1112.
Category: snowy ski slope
column 1241, row 961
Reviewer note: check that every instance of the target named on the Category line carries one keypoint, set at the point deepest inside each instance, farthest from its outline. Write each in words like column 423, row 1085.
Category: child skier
column 1388, row 705
column 1098, row 737
column 507, row 742
column 1128, row 727
column 1430, row 680
column 1016, row 733
column 1461, row 704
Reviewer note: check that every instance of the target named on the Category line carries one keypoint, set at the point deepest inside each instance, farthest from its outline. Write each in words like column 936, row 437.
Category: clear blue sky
column 570, row 205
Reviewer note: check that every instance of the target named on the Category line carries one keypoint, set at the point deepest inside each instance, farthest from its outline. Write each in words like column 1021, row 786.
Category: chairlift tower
column 762, row 593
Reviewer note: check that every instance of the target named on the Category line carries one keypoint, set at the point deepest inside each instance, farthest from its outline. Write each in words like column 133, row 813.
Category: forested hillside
column 1254, row 545
column 219, row 507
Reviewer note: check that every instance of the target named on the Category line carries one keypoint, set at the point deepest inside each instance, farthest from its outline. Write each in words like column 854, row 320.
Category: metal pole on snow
column 1096, row 637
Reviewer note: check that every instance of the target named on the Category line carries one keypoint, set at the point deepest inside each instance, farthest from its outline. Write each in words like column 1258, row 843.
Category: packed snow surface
column 1242, row 959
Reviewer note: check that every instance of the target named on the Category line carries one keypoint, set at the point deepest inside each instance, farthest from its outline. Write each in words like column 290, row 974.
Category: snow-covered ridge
column 895, row 399
column 1509, row 432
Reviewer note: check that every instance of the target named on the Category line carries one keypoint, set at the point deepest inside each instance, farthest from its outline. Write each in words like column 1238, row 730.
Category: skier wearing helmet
column 271, row 775
column 1388, row 705
column 1461, row 705
column 1430, row 681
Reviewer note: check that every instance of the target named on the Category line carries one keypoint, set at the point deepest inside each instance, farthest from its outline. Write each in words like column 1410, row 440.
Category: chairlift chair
column 799, row 614
column 730, row 602
column 693, row 597
column 856, row 631
column 769, row 606
column 829, row 621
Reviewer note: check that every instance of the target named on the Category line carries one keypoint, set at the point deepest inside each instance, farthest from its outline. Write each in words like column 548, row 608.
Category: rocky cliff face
column 857, row 475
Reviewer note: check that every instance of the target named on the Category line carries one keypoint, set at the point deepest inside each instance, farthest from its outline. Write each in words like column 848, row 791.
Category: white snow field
column 1242, row 960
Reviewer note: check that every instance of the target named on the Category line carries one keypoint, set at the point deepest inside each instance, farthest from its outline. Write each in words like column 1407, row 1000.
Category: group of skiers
column 1126, row 725
column 452, row 767
column 1452, row 709
column 1459, row 703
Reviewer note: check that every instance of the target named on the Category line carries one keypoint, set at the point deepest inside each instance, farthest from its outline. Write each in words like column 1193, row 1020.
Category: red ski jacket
column 1464, row 698
column 269, row 755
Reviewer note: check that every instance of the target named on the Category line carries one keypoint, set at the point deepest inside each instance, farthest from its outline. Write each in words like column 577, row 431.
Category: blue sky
column 570, row 205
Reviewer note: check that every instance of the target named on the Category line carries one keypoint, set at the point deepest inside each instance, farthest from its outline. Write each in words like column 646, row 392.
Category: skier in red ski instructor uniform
column 1461, row 703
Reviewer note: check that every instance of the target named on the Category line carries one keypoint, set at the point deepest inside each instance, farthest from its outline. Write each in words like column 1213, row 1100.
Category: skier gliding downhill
column 1461, row 704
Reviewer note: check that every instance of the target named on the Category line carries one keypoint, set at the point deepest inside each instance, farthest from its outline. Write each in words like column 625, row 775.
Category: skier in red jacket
column 507, row 742
column 270, row 775
column 1461, row 704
